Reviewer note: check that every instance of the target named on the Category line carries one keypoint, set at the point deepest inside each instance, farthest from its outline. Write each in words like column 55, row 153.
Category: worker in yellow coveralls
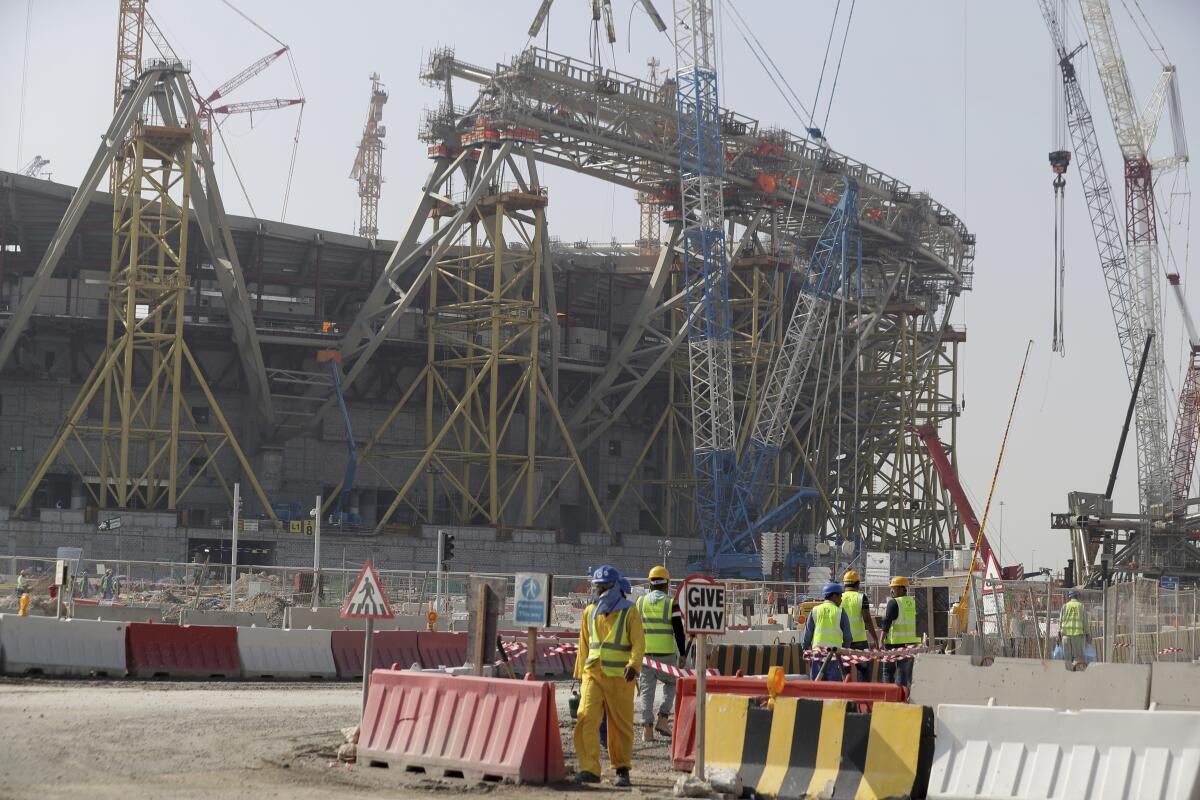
column 611, row 646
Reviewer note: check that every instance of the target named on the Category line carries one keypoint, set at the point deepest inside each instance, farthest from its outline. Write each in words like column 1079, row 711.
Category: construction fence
column 1134, row 622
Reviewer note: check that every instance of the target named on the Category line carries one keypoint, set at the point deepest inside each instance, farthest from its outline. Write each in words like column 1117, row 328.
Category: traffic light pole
column 441, row 545
column 233, row 551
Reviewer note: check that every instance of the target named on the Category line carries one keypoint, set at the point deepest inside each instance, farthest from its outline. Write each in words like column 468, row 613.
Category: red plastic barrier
column 442, row 649
column 474, row 728
column 387, row 648
column 181, row 651
column 683, row 738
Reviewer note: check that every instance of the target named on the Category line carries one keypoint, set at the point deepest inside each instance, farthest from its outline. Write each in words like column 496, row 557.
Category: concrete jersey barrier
column 1028, row 753
column 328, row 619
column 1029, row 683
column 277, row 653
column 241, row 619
column 1175, row 687
column 118, row 613
column 74, row 648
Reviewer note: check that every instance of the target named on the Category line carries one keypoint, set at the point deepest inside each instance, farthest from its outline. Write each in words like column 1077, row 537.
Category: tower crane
column 706, row 271
column 1135, row 134
column 35, row 167
column 368, row 162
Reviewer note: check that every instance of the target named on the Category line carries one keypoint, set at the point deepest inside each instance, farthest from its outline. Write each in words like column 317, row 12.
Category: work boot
column 663, row 726
column 648, row 732
column 586, row 777
column 622, row 778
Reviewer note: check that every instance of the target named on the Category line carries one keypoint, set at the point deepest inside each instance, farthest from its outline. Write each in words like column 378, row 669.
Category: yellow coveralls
column 600, row 694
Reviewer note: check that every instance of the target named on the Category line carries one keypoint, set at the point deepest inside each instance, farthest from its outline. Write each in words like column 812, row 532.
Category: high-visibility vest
column 613, row 652
column 22, row 583
column 656, row 624
column 904, row 627
column 1071, row 621
column 827, row 625
column 852, row 604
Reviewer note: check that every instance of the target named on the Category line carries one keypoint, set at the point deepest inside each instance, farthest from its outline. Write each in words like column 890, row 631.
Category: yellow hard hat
column 899, row 580
column 660, row 573
column 851, row 577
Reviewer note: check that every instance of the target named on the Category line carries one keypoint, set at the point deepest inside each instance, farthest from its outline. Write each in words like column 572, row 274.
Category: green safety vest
column 827, row 625
column 1071, row 621
column 852, row 604
column 613, row 652
column 904, row 627
column 656, row 624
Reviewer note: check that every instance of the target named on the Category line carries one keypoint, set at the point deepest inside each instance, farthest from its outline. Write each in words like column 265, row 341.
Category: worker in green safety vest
column 827, row 629
column 1073, row 630
column 899, row 630
column 862, row 626
column 662, row 623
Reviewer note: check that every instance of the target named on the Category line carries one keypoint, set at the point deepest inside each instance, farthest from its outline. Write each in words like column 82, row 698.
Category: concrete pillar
column 367, row 506
column 78, row 495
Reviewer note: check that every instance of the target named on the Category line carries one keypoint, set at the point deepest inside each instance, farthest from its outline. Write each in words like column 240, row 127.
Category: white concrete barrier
column 65, row 647
column 208, row 616
column 118, row 613
column 1175, row 687
column 1028, row 753
column 328, row 619
column 278, row 653
column 1029, row 682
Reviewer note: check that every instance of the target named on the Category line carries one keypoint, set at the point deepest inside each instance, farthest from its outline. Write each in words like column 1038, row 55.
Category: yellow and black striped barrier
column 756, row 659
column 818, row 748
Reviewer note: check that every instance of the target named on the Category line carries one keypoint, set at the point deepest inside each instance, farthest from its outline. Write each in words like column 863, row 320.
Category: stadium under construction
column 478, row 372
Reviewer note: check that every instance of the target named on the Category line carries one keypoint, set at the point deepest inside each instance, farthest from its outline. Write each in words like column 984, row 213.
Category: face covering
column 606, row 602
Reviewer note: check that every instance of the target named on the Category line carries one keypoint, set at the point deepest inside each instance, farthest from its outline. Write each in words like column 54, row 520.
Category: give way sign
column 367, row 599
column 702, row 603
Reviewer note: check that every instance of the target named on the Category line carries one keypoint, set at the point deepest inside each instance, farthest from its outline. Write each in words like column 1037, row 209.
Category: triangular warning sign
column 366, row 600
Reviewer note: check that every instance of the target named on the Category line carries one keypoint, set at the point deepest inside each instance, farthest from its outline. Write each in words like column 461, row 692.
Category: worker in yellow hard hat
column 611, row 647
column 899, row 630
column 862, row 625
column 662, row 622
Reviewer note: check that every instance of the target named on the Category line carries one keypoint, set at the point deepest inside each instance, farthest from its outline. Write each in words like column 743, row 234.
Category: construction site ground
column 119, row 739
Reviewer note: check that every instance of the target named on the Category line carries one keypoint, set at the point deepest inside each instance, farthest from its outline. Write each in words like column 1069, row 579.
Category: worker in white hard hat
column 899, row 630
column 662, row 622
column 1073, row 631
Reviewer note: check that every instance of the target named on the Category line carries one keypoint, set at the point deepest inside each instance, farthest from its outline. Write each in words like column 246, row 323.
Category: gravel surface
column 204, row 740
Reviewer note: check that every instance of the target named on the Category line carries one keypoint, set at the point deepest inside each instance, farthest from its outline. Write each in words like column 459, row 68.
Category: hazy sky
column 951, row 97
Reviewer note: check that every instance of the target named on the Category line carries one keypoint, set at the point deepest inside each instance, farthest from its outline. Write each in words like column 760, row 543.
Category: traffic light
column 447, row 547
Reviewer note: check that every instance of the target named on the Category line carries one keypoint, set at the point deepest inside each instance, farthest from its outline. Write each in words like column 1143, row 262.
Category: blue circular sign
column 530, row 589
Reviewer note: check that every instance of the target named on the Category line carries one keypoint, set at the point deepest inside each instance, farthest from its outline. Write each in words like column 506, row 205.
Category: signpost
column 110, row 524
column 368, row 601
column 62, row 576
column 702, row 603
column 531, row 608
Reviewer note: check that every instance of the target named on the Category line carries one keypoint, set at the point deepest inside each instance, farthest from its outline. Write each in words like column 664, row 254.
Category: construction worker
column 1073, row 631
column 109, row 586
column 611, row 646
column 827, row 628
column 662, row 622
column 862, row 626
column 79, row 585
column 899, row 630
column 23, row 582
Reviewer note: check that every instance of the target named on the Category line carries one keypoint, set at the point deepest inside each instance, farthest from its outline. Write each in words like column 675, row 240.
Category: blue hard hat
column 1073, row 595
column 605, row 574
column 626, row 586
column 831, row 588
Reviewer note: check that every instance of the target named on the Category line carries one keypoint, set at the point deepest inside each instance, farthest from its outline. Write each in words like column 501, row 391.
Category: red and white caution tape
column 674, row 671
column 570, row 649
column 866, row 656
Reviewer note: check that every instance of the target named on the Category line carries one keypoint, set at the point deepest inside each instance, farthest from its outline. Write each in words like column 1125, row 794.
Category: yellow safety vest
column 827, row 625
column 613, row 652
column 656, row 624
column 904, row 627
column 1071, row 621
column 852, row 604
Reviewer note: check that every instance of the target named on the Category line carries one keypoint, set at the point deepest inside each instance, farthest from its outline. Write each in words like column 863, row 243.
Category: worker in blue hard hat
column 828, row 629
column 611, row 646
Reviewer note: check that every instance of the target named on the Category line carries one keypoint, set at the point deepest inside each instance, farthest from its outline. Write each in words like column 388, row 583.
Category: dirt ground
column 121, row 739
